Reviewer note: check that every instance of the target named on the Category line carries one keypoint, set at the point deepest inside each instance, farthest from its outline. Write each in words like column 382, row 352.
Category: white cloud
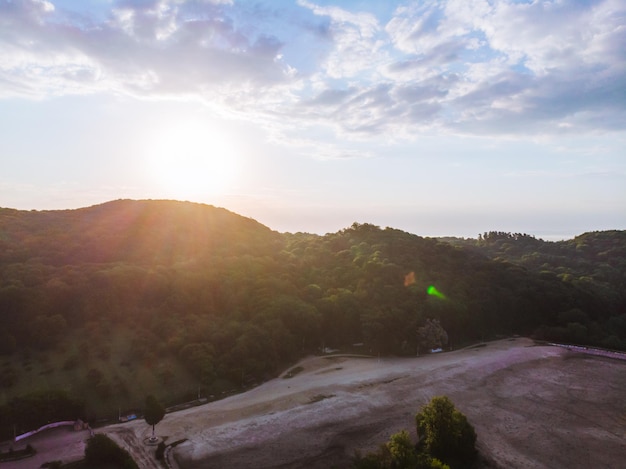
column 161, row 48
column 523, row 67
column 366, row 23
column 356, row 42
column 474, row 67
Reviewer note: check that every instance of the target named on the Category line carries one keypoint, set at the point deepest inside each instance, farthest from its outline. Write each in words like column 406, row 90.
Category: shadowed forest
column 104, row 305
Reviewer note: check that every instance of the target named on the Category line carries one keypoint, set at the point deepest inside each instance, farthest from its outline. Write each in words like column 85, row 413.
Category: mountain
column 128, row 298
column 131, row 231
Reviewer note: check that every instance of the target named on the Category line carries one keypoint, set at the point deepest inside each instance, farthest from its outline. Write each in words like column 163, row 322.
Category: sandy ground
column 531, row 406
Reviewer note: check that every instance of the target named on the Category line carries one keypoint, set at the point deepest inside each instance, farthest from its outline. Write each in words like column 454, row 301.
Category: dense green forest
column 129, row 298
column 593, row 262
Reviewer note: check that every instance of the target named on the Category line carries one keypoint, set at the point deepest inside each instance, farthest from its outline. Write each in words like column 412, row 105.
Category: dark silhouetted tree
column 101, row 451
column 153, row 412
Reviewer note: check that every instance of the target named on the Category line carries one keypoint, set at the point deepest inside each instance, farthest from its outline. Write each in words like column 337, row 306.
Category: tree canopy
column 431, row 335
column 445, row 433
column 446, row 441
column 153, row 412
column 181, row 297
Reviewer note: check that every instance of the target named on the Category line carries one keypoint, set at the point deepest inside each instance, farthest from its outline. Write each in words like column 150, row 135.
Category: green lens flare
column 434, row 292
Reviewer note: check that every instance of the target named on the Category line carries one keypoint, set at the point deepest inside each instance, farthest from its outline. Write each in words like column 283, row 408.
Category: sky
column 440, row 118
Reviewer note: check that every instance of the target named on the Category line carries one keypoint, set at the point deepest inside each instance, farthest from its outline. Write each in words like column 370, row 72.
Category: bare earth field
column 532, row 407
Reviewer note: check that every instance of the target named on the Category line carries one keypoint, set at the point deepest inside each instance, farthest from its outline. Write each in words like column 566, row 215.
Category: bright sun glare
column 191, row 160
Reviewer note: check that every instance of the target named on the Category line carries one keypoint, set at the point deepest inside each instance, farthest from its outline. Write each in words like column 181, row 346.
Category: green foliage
column 427, row 462
column 447, row 441
column 200, row 361
column 398, row 453
column 445, row 433
column 146, row 293
column 31, row 411
column 594, row 263
column 431, row 335
column 101, row 451
column 402, row 450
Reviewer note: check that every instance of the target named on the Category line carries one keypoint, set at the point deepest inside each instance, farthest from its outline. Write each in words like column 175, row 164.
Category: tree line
column 181, row 292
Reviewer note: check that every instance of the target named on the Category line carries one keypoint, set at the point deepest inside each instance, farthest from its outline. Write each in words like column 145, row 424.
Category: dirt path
column 539, row 407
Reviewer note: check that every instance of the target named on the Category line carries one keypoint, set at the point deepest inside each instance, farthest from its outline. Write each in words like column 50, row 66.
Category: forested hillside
column 593, row 262
column 129, row 298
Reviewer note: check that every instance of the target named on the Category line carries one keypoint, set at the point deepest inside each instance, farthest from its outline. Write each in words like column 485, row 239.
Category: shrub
column 445, row 433
column 101, row 450
column 447, row 441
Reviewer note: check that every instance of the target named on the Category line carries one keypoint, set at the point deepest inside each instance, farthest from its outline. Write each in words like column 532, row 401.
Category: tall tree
column 153, row 413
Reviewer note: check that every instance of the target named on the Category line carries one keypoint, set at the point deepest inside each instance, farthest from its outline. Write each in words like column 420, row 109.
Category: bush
column 101, row 450
column 447, row 441
column 445, row 433
column 398, row 453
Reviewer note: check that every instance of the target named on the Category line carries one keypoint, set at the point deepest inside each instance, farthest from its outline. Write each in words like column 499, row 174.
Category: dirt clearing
column 532, row 407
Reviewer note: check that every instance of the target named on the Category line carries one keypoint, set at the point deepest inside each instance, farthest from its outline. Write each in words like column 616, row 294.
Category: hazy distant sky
column 435, row 117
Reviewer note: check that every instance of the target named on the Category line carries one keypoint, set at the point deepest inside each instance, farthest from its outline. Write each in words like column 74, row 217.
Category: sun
column 192, row 160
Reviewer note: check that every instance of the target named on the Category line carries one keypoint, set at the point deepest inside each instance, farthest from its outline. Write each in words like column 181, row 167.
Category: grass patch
column 122, row 382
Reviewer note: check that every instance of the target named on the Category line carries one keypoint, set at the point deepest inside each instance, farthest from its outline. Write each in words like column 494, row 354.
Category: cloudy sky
column 436, row 117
